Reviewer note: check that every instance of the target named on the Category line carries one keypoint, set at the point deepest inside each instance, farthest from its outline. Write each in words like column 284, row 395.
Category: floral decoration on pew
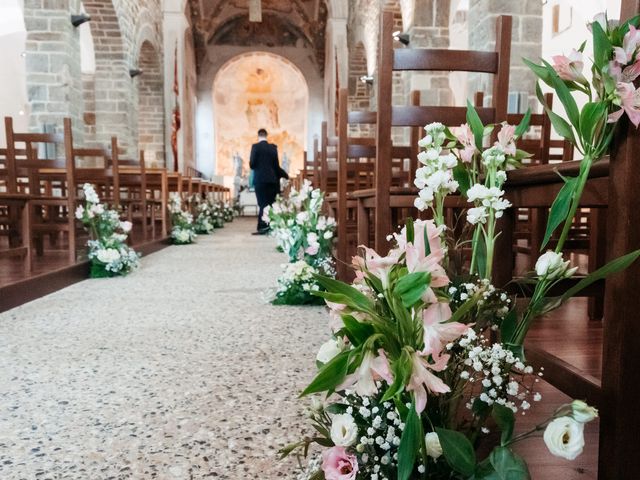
column 183, row 230
column 217, row 210
column 306, row 236
column 109, row 253
column 229, row 212
column 203, row 223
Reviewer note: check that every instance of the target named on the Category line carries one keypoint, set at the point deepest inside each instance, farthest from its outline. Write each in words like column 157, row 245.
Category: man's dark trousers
column 266, row 194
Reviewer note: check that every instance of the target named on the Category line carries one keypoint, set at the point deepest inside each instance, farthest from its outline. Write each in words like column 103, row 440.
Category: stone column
column 526, row 41
column 336, row 67
column 54, row 80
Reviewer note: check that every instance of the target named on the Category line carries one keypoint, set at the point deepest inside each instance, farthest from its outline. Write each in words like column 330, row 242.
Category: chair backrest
column 33, row 157
column 406, row 59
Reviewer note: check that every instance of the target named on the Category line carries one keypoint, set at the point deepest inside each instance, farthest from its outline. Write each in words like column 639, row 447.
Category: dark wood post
column 342, row 182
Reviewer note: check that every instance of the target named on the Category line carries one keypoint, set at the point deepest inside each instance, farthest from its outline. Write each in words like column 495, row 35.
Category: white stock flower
column 126, row 226
column 432, row 442
column 328, row 350
column 582, row 412
column 477, row 192
column 477, row 215
column 108, row 255
column 80, row 212
column 564, row 437
column 552, row 266
column 344, row 431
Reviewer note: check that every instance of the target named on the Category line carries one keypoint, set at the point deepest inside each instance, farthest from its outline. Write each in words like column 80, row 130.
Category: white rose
column 582, row 412
column 564, row 437
column 344, row 431
column 432, row 442
column 328, row 350
column 551, row 265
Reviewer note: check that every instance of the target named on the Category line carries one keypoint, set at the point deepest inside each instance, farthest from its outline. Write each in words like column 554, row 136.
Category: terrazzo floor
column 178, row 371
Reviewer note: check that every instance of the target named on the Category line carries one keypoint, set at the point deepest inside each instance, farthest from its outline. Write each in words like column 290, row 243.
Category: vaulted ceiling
column 284, row 23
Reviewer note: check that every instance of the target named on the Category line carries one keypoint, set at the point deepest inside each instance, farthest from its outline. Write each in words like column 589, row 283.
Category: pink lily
column 465, row 137
column 626, row 75
column 380, row 266
column 422, row 381
column 335, row 317
column 506, row 139
column 630, row 100
column 437, row 333
column 630, row 43
column 363, row 380
column 569, row 68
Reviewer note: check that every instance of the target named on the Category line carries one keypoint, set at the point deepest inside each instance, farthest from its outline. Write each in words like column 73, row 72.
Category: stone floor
column 179, row 371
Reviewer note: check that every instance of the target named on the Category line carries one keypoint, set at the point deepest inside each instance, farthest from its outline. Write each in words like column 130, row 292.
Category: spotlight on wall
column 77, row 20
column 403, row 38
column 368, row 79
column 134, row 72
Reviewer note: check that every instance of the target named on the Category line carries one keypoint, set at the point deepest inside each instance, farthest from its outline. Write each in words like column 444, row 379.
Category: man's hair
column 262, row 132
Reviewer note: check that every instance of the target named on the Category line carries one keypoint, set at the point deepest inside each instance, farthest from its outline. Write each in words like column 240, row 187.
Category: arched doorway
column 150, row 106
column 259, row 90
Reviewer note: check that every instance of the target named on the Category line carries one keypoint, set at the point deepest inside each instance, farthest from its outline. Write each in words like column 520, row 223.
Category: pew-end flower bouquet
column 183, row 230
column 109, row 253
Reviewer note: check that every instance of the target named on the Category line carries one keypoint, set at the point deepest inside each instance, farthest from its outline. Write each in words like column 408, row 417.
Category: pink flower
column 506, row 139
column 465, row 137
column 363, row 380
column 630, row 100
column 335, row 318
column 312, row 249
column 437, row 333
column 337, row 464
column 630, row 43
column 422, row 381
column 380, row 266
column 569, row 68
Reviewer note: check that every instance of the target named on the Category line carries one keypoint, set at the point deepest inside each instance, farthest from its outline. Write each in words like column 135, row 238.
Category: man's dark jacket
column 264, row 163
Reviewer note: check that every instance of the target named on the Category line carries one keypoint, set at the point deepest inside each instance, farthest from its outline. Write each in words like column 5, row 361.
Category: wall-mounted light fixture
column 134, row 72
column 77, row 20
column 403, row 38
column 368, row 79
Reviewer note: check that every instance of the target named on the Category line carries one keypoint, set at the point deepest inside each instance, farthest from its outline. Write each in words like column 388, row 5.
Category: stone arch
column 112, row 81
column 150, row 97
column 272, row 93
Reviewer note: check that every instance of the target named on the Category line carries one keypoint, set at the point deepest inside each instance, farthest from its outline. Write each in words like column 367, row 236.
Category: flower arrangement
column 203, row 224
column 306, row 236
column 216, row 209
column 109, row 253
column 183, row 230
column 417, row 383
column 228, row 212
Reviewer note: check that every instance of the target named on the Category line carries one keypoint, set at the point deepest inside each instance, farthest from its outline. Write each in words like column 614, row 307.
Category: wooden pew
column 383, row 198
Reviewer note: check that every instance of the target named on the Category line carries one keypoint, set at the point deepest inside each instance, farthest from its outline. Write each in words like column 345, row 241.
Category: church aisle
column 178, row 371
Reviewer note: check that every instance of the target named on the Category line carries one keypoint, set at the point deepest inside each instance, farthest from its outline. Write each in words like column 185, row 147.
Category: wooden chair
column 382, row 199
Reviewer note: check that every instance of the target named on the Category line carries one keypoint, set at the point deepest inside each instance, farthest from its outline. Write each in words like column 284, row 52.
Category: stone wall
column 526, row 41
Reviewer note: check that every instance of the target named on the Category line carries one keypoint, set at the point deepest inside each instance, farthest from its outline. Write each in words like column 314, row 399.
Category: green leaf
column 344, row 293
column 410, row 231
column 331, row 375
column 613, row 266
column 358, row 332
column 411, row 287
column 508, row 326
column 458, row 451
column 476, row 124
column 462, row 177
column 401, row 373
column 561, row 126
column 505, row 420
column 409, row 444
column 593, row 115
column 508, row 465
column 602, row 47
column 481, row 254
column 523, row 126
column 462, row 310
column 560, row 208
column 541, row 72
column 565, row 96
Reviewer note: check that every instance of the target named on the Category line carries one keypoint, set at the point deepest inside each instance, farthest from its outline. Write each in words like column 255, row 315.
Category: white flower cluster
column 108, row 251
column 435, row 177
column 501, row 374
column 311, row 470
column 493, row 303
column 183, row 230
column 298, row 273
column 494, row 157
column 487, row 200
column 551, row 265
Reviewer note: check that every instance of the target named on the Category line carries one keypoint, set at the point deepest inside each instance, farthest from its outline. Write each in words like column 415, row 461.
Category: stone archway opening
column 259, row 90
column 151, row 106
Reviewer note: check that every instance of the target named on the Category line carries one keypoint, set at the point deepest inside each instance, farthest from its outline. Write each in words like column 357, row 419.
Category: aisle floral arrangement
column 203, row 223
column 411, row 385
column 183, row 230
column 217, row 211
column 109, row 253
column 306, row 237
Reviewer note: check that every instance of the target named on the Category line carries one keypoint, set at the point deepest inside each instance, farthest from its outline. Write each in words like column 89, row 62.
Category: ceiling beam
column 255, row 10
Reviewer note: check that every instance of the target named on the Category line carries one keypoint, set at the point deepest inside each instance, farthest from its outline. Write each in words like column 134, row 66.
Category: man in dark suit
column 266, row 175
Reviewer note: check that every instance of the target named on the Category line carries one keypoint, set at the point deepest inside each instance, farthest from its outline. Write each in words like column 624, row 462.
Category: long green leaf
column 476, row 125
column 401, row 373
column 541, row 72
column 331, row 375
column 355, row 298
column 593, row 114
column 560, row 208
column 411, row 287
column 602, row 47
column 505, row 420
column 358, row 332
column 411, row 438
column 523, row 126
column 613, row 266
column 565, row 96
column 458, row 451
column 508, row 325
column 462, row 177
column 410, row 231
column 508, row 465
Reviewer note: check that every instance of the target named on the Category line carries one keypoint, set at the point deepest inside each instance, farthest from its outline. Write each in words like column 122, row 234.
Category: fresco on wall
column 254, row 91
